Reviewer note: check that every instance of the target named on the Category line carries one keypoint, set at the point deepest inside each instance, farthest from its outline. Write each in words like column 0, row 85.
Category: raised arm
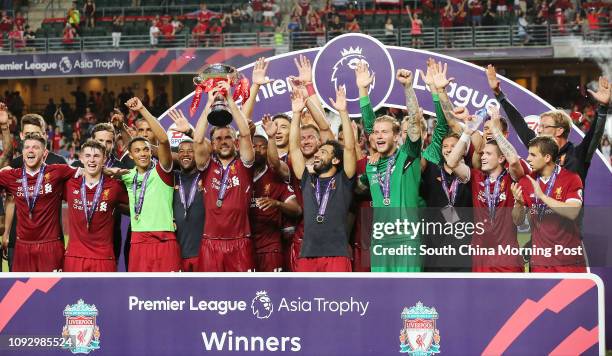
column 7, row 139
column 164, row 153
column 349, row 160
column 258, row 79
column 363, row 79
column 247, row 154
column 514, row 161
column 514, row 116
column 297, row 159
column 433, row 152
column 201, row 146
column 281, row 168
column 591, row 140
column 455, row 158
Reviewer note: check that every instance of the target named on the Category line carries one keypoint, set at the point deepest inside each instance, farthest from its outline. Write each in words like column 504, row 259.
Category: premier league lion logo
column 344, row 70
column 262, row 305
column 65, row 65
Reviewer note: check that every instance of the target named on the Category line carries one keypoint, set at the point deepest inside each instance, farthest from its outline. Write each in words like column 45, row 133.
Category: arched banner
column 333, row 65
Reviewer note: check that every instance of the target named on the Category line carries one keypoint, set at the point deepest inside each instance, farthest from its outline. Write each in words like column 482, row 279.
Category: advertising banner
column 335, row 314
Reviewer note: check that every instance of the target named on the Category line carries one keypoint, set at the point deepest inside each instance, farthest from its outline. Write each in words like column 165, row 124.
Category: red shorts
column 47, row 256
column 155, row 252
column 83, row 264
column 361, row 259
column 558, row 269
column 324, row 264
column 226, row 255
column 269, row 261
column 189, row 264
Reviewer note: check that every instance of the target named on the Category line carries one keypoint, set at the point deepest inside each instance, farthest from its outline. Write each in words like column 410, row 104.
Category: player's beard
column 322, row 167
column 225, row 154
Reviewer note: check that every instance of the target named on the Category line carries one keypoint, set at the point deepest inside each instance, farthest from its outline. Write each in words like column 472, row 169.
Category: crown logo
column 345, row 52
column 261, row 293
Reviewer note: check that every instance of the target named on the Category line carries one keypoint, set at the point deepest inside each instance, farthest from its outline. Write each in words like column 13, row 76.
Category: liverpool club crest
column 419, row 337
column 81, row 331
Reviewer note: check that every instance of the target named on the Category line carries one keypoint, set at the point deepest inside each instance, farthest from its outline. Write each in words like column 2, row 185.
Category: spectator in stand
column 167, row 30
column 215, row 30
column 577, row 23
column 522, row 27
column 49, row 111
column 204, row 14
column 257, row 6
column 502, row 8
column 16, row 38
column 593, row 21
column 294, row 24
column 56, row 139
column 199, row 33
column 389, row 31
column 488, row 17
column 460, row 15
column 154, row 33
column 20, row 21
column 89, row 11
column 74, row 16
column 117, row 30
column 6, row 22
column 476, row 11
column 416, row 28
column 269, row 11
column 353, row 26
column 177, row 25
column 29, row 36
column 605, row 148
column 446, row 22
column 542, row 17
column 69, row 35
column 335, row 27
column 560, row 21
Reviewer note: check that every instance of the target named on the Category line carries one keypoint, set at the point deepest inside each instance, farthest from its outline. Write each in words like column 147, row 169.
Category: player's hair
column 186, row 140
column 261, row 137
column 104, row 126
column 503, row 123
column 33, row 119
column 215, row 128
column 390, row 119
column 338, row 149
column 561, row 120
column 136, row 139
column 494, row 143
column 547, row 146
column 311, row 127
column 94, row 145
column 281, row 116
column 36, row 137
column 451, row 135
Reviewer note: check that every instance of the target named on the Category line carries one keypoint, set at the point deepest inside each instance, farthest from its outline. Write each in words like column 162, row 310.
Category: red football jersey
column 97, row 242
column 499, row 231
column 231, row 220
column 553, row 229
column 266, row 225
column 45, row 222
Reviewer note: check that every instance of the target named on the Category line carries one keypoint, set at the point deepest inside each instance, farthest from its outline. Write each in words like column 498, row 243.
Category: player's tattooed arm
column 297, row 159
column 201, row 146
column 273, row 158
column 509, row 152
column 406, row 78
column 7, row 140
